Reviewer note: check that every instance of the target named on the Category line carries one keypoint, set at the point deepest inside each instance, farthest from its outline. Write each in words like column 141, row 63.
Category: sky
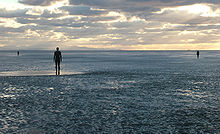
column 110, row 24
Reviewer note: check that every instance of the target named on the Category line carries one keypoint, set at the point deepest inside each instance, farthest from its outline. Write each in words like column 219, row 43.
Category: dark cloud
column 130, row 25
column 142, row 6
column 162, row 3
column 123, row 3
column 99, row 3
column 4, row 13
column 70, row 22
column 39, row 2
column 50, row 14
column 82, row 10
column 53, row 23
column 99, row 18
column 10, row 32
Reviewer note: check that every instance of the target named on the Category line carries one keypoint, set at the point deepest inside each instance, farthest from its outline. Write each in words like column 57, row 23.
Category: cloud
column 191, row 15
column 100, row 18
column 39, row 2
column 69, row 22
column 4, row 13
column 99, row 3
column 51, row 14
column 82, row 10
column 144, row 7
column 110, row 23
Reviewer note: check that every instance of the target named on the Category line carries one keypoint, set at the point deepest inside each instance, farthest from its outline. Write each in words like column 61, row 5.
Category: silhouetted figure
column 57, row 58
column 18, row 53
column 197, row 53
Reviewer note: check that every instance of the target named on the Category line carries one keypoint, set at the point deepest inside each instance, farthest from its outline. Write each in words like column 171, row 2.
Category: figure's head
column 57, row 48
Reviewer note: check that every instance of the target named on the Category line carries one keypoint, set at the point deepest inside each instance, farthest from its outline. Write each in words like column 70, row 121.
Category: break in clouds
column 110, row 24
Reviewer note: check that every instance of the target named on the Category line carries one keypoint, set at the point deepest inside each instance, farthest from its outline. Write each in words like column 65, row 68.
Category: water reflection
column 7, row 96
column 193, row 93
column 35, row 73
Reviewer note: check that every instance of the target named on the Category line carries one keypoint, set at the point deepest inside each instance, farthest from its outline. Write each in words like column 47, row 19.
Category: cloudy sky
column 110, row 24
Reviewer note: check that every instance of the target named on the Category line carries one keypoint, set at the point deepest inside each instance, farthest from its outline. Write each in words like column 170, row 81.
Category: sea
column 110, row 92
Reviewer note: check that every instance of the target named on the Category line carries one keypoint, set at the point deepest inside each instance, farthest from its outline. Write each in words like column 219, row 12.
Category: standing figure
column 197, row 53
column 57, row 58
column 18, row 53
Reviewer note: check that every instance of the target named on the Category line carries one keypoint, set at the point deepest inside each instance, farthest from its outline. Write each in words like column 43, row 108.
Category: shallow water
column 115, row 92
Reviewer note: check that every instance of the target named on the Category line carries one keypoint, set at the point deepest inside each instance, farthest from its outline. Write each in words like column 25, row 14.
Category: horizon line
column 112, row 50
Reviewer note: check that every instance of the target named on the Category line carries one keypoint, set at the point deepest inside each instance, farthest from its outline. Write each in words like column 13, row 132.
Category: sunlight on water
column 34, row 73
column 7, row 96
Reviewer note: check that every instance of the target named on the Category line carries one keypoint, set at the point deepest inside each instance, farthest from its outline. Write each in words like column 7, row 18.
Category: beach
column 110, row 92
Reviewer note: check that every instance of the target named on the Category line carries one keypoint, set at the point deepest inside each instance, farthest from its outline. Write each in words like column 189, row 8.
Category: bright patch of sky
column 10, row 4
column 9, row 1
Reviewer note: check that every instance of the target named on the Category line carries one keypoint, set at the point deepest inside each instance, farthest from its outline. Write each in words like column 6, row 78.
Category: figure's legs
column 58, row 67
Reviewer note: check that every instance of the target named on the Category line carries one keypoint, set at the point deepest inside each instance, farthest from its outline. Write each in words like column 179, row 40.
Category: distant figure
column 18, row 53
column 197, row 53
column 57, row 58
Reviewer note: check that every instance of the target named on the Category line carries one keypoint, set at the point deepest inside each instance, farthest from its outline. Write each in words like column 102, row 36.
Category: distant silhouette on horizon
column 57, row 58
column 18, row 53
column 197, row 53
